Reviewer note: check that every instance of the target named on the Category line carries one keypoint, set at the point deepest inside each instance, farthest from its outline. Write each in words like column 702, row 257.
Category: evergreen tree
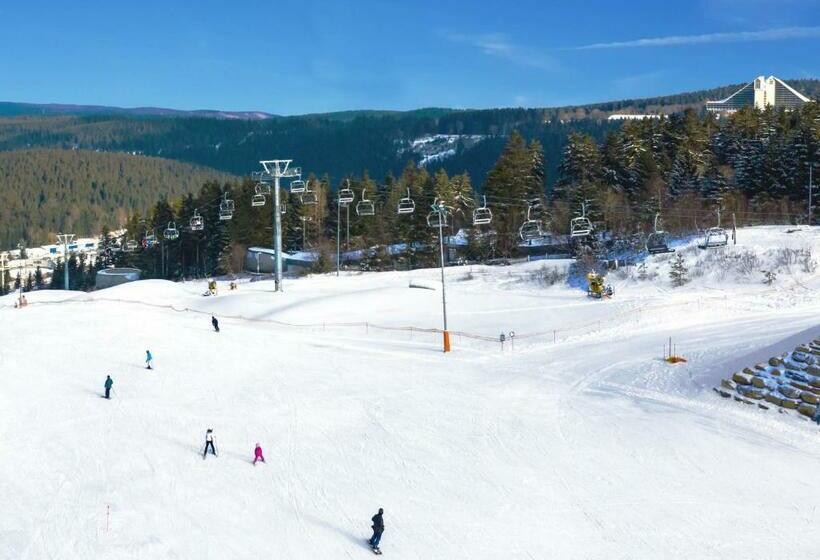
column 678, row 273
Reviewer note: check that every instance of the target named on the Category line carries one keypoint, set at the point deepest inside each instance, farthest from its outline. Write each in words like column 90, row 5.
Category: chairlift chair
column 406, row 205
column 130, row 246
column 531, row 228
column 308, row 197
column 715, row 237
column 580, row 227
column 438, row 217
column 263, row 188
column 150, row 239
column 657, row 242
column 226, row 208
column 482, row 215
column 298, row 186
column 171, row 232
column 196, row 223
column 258, row 199
column 365, row 207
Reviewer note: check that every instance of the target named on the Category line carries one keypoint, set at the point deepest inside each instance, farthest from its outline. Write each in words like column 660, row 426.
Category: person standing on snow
column 257, row 455
column 215, row 323
column 209, row 443
column 108, row 384
column 148, row 359
column 378, row 529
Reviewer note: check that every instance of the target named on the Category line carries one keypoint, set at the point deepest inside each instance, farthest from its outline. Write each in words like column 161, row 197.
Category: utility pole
column 811, row 167
column 65, row 239
column 275, row 169
column 442, row 216
column 338, row 234
column 3, row 264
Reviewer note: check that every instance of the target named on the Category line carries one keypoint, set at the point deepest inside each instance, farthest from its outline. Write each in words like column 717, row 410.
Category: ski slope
column 584, row 444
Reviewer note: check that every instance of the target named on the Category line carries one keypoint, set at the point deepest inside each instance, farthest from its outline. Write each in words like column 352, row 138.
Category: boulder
column 790, row 404
column 742, row 378
column 808, row 397
column 789, row 391
column 799, row 356
column 760, row 367
column 728, row 384
column 748, row 371
column 774, row 399
column 776, row 372
column 775, row 362
column 807, row 409
column 815, row 382
column 813, row 370
column 803, row 348
column 759, row 382
column 751, row 392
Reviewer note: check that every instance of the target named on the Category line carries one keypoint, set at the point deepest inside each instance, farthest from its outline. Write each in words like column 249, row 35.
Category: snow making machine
column 597, row 287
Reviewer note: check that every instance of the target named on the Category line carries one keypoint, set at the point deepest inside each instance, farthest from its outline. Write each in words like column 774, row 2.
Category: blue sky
column 292, row 57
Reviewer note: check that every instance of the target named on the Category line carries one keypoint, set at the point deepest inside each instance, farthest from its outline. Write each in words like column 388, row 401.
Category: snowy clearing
column 579, row 443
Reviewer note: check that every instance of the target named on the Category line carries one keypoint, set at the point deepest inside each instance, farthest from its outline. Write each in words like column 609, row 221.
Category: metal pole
column 810, row 193
column 277, row 232
column 65, row 260
column 347, row 225
column 338, row 234
column 443, row 291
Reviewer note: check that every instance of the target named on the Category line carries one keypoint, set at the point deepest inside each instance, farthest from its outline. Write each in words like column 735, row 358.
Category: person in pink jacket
column 257, row 455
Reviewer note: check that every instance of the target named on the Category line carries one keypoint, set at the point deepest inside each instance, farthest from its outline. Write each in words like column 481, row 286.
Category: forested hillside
column 338, row 144
column 46, row 191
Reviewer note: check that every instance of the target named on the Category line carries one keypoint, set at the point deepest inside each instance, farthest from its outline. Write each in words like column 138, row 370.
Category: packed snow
column 576, row 440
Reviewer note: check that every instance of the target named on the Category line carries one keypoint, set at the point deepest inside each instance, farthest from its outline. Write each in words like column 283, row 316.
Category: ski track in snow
column 589, row 447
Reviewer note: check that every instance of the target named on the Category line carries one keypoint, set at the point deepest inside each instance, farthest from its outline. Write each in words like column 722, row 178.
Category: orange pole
column 446, row 341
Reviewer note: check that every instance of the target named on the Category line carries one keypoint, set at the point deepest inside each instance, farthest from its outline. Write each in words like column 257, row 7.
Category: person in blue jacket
column 148, row 359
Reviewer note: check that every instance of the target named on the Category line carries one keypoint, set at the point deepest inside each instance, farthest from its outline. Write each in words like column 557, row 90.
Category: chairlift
column 714, row 237
column 130, row 246
column 482, row 215
column 196, row 223
column 308, row 197
column 580, row 226
column 657, row 242
column 365, row 207
column 171, row 232
column 263, row 188
column 438, row 217
column 406, row 205
column 298, row 186
column 258, row 199
column 150, row 239
column 226, row 208
column 531, row 228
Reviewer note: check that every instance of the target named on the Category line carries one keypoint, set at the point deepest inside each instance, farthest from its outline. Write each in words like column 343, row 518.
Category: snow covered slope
column 579, row 443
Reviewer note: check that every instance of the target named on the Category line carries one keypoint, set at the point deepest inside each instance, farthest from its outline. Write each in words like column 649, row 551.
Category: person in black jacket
column 108, row 384
column 378, row 529
column 215, row 323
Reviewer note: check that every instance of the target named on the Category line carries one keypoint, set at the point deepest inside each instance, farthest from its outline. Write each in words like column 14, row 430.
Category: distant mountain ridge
column 660, row 104
column 14, row 109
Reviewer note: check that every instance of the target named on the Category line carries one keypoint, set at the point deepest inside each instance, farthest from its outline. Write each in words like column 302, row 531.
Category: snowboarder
column 148, row 359
column 257, row 455
column 209, row 443
column 108, row 384
column 378, row 529
column 215, row 323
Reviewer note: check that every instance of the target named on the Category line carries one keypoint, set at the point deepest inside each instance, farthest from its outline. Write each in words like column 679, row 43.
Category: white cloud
column 498, row 45
column 778, row 34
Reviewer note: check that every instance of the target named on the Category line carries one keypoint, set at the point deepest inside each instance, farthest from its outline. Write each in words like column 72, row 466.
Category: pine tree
column 678, row 271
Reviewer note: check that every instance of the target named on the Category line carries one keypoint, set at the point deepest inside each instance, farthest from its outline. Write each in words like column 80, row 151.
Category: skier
column 378, row 529
column 209, row 443
column 215, row 323
column 257, row 455
column 108, row 384
column 148, row 359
